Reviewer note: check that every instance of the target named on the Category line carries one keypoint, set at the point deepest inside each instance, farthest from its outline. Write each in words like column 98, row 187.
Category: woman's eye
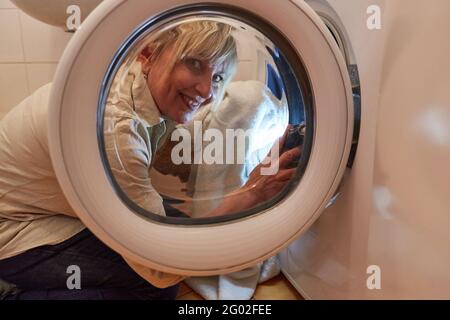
column 217, row 78
column 194, row 64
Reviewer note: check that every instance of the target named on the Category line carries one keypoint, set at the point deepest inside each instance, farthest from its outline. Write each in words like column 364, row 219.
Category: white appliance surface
column 394, row 212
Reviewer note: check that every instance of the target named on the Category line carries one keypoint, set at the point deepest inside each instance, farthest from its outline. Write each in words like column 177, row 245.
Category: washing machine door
column 314, row 76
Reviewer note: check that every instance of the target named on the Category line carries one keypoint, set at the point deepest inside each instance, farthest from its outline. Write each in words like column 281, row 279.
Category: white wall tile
column 40, row 74
column 42, row 42
column 6, row 4
column 11, row 49
column 13, row 86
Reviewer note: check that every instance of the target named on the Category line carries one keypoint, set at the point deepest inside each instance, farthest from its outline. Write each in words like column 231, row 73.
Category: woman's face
column 191, row 84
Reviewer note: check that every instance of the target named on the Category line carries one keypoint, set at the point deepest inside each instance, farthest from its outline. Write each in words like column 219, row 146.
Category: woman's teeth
column 191, row 103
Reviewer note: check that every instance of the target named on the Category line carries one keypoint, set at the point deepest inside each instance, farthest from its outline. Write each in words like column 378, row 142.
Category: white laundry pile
column 247, row 105
column 238, row 285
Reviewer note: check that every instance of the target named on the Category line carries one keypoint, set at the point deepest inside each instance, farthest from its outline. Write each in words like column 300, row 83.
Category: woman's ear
column 145, row 63
column 145, row 58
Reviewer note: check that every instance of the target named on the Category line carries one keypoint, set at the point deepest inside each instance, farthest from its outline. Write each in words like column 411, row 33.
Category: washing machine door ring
column 298, row 90
column 195, row 249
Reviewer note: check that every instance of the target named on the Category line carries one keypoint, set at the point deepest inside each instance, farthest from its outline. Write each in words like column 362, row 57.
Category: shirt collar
column 143, row 103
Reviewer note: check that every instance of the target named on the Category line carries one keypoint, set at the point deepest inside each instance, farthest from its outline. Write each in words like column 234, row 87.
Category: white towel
column 238, row 285
column 247, row 105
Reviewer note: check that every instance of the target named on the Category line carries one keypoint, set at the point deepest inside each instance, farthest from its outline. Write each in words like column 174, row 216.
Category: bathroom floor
column 278, row 288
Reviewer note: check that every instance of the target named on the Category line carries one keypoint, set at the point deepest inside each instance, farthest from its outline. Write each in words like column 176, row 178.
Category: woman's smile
column 191, row 103
column 191, row 84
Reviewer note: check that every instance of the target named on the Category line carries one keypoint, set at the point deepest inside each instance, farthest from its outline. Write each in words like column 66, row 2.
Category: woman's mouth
column 190, row 103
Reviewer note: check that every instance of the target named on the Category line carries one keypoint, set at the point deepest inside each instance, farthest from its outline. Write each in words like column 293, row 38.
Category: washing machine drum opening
column 211, row 126
column 207, row 158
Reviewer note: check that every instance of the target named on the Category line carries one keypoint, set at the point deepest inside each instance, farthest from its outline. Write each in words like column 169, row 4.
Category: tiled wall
column 29, row 53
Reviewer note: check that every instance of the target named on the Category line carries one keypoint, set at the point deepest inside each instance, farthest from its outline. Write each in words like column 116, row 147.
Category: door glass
column 205, row 118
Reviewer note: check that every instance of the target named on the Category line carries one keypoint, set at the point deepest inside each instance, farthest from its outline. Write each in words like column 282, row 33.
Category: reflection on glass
column 196, row 122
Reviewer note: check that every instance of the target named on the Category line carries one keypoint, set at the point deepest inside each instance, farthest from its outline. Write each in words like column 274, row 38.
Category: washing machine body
column 115, row 31
column 387, row 236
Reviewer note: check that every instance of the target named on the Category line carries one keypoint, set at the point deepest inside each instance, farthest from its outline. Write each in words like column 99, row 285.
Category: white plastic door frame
column 194, row 250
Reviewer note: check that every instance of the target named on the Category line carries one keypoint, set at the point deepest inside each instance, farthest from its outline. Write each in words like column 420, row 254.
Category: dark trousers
column 42, row 273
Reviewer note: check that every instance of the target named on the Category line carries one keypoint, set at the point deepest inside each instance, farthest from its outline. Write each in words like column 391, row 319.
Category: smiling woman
column 176, row 83
column 189, row 66
column 179, row 70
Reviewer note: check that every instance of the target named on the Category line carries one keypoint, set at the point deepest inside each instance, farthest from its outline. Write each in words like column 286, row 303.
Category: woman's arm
column 260, row 188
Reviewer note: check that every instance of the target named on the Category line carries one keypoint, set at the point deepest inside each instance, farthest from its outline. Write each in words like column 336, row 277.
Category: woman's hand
column 262, row 186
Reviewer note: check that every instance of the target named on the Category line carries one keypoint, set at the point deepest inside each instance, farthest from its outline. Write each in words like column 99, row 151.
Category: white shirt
column 130, row 115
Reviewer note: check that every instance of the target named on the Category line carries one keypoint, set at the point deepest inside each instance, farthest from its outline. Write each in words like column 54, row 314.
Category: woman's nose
column 204, row 87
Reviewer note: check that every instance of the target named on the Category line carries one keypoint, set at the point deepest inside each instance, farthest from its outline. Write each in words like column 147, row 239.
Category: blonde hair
column 201, row 39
